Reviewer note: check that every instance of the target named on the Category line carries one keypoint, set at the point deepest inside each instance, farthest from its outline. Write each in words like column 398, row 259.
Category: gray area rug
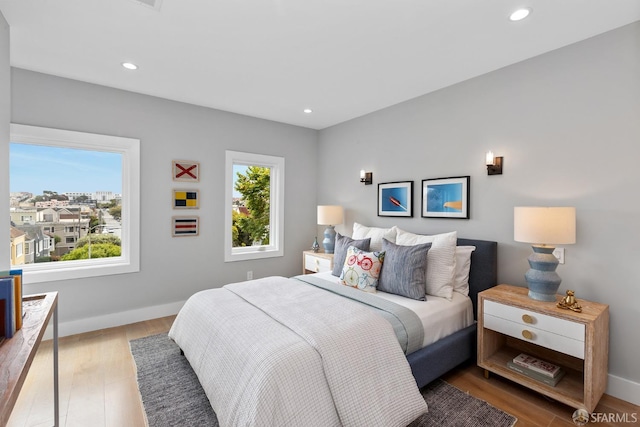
column 172, row 395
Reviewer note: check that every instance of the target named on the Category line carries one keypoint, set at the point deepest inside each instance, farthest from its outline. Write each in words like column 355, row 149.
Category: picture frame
column 446, row 197
column 186, row 199
column 395, row 199
column 185, row 171
column 185, row 226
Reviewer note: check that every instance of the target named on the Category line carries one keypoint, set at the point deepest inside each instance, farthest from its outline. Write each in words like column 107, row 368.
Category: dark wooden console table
column 17, row 353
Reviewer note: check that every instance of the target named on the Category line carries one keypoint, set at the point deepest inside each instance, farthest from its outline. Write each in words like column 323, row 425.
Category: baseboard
column 624, row 389
column 114, row 319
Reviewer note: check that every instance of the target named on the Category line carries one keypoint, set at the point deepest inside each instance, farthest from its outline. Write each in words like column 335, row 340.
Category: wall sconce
column 366, row 177
column 494, row 164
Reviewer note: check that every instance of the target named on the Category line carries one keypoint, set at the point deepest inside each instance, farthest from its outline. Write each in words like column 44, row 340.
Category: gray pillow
column 404, row 271
column 340, row 250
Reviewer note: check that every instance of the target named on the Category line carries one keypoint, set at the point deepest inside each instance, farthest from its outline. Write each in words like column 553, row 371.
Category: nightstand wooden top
column 518, row 296
column 318, row 254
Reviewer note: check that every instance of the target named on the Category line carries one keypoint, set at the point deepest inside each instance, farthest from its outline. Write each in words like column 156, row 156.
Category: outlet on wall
column 249, row 275
column 559, row 253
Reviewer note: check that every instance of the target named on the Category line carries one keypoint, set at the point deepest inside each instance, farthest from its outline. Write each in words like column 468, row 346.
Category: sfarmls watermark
column 582, row 417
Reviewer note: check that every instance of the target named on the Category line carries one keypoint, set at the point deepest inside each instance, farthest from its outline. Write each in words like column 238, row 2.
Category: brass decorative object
column 570, row 302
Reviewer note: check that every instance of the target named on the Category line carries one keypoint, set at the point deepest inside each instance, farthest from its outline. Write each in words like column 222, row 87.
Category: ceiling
column 273, row 58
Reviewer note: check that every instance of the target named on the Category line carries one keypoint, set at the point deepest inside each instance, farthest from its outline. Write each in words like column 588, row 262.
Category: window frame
column 129, row 148
column 275, row 248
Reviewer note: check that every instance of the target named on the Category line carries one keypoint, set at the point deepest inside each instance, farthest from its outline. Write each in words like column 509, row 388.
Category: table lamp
column 544, row 227
column 330, row 215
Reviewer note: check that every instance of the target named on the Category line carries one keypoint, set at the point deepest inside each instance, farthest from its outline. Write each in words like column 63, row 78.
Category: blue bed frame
column 434, row 360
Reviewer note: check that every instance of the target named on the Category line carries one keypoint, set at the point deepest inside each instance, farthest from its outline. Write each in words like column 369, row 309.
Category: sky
column 34, row 168
column 241, row 169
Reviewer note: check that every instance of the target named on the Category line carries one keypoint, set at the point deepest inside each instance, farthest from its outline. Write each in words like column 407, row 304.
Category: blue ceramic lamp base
column 329, row 239
column 542, row 279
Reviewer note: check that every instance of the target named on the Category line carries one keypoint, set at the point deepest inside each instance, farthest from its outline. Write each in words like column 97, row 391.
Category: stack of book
column 10, row 302
column 537, row 369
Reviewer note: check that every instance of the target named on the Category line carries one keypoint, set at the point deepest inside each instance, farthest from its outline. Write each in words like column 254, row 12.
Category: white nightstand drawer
column 537, row 336
column 552, row 332
column 317, row 264
column 528, row 318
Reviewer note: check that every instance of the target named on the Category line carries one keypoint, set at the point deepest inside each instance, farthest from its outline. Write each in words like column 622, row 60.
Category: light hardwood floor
column 98, row 386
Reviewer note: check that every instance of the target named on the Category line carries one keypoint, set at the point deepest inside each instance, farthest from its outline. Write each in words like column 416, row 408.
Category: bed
column 241, row 357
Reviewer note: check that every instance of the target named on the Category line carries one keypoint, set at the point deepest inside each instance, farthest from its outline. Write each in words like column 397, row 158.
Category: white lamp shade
column 330, row 215
column 544, row 225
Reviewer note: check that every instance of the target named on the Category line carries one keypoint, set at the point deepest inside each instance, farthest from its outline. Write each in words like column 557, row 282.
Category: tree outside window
column 254, row 217
column 251, row 225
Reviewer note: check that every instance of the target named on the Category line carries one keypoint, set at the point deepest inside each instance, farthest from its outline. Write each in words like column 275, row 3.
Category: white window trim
column 129, row 148
column 276, row 220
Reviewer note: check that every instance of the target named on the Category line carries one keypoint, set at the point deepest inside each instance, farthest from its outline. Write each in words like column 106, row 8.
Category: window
column 254, row 206
column 70, row 162
column 19, row 250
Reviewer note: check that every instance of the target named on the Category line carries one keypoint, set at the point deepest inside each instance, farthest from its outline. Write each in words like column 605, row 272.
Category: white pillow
column 463, row 264
column 375, row 233
column 441, row 259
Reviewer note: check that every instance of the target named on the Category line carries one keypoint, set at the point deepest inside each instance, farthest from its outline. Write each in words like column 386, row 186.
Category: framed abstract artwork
column 186, row 199
column 395, row 199
column 446, row 197
column 185, row 171
column 182, row 226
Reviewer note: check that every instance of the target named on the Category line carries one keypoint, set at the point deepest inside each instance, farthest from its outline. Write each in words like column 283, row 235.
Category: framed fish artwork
column 395, row 199
column 446, row 197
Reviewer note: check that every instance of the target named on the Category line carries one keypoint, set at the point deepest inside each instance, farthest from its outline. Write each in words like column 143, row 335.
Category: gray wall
column 568, row 126
column 171, row 268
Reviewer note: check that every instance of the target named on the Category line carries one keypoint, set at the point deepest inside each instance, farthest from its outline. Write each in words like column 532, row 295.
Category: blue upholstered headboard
column 484, row 268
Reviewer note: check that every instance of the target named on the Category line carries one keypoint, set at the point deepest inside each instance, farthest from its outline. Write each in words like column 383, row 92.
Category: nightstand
column 510, row 323
column 316, row 262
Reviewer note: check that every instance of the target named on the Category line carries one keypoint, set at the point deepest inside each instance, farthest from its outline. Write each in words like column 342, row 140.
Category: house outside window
column 58, row 162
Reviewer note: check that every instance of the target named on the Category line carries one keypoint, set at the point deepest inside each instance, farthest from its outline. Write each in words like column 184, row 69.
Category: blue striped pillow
column 405, row 270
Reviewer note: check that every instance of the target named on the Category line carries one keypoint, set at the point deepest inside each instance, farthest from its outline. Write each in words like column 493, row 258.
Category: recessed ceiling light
column 129, row 66
column 307, row 111
column 520, row 14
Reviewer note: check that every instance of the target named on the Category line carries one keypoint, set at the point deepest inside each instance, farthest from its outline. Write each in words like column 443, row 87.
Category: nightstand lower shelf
column 570, row 389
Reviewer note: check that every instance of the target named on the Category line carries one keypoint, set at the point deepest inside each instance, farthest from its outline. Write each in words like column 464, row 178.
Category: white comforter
column 277, row 352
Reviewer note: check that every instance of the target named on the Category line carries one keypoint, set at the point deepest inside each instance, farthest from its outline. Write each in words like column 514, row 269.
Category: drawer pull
column 527, row 319
column 527, row 334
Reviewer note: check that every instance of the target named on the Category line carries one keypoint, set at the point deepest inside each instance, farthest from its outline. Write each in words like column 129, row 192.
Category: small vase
column 315, row 247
